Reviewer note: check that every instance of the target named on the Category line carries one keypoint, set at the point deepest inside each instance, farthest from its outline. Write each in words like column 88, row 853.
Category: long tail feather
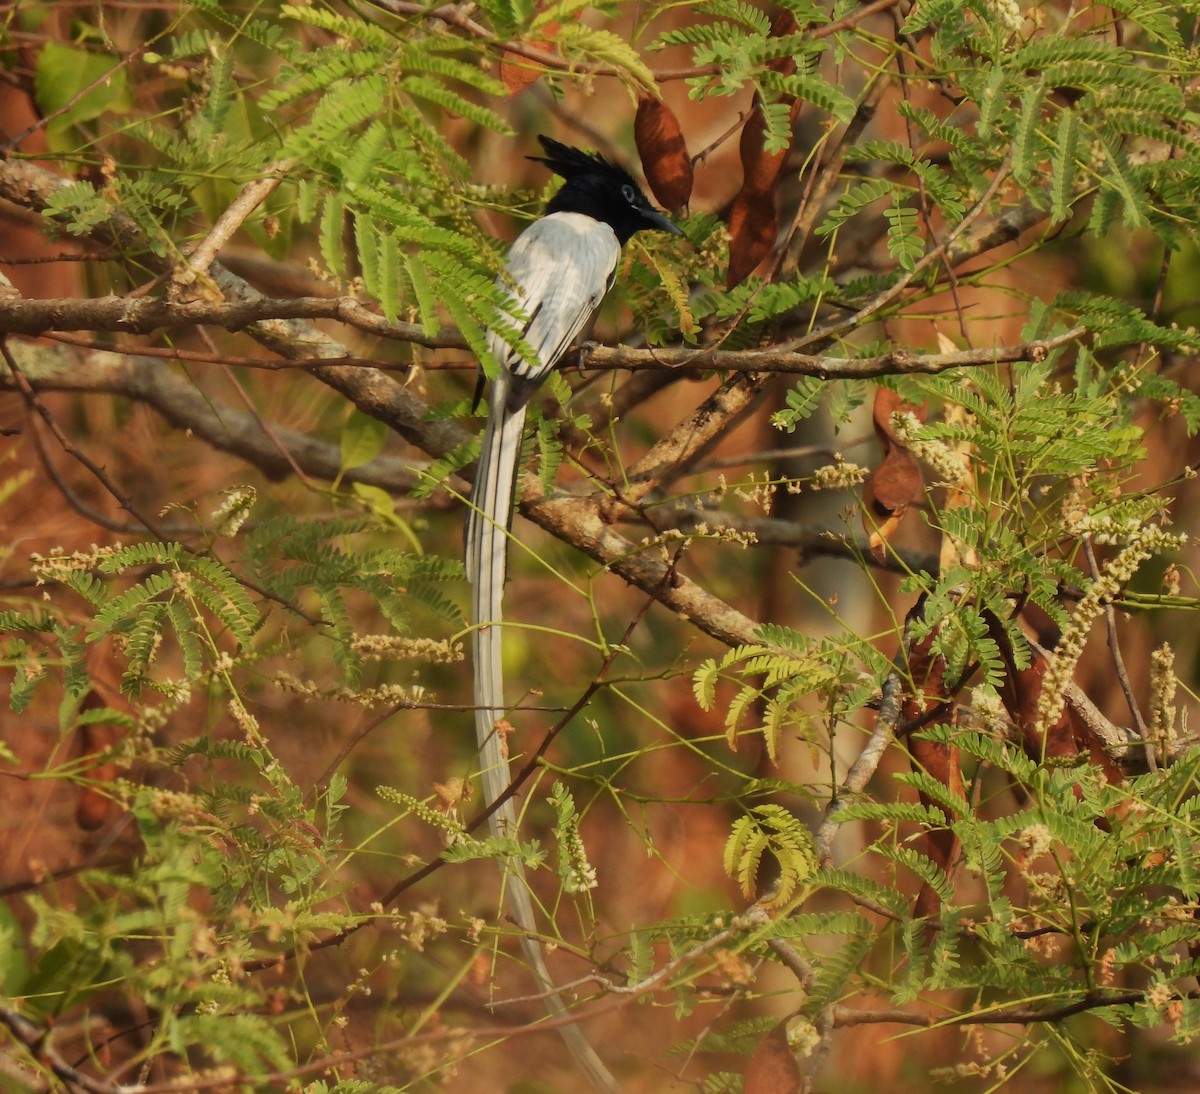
column 487, row 553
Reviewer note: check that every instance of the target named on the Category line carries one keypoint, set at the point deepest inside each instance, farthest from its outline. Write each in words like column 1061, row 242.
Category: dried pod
column 772, row 1068
column 753, row 227
column 782, row 25
column 931, row 698
column 1020, row 694
column 517, row 71
column 664, row 155
column 894, row 485
column 887, row 402
column 760, row 168
column 94, row 809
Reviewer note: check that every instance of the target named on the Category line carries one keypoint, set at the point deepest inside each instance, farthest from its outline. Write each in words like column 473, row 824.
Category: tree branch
column 580, row 522
column 144, row 315
column 184, row 406
column 36, row 1041
column 897, row 362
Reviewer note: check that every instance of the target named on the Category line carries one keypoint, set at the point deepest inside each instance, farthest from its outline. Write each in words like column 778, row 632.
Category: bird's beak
column 661, row 221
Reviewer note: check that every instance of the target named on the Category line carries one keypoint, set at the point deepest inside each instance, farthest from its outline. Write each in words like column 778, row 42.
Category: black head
column 601, row 190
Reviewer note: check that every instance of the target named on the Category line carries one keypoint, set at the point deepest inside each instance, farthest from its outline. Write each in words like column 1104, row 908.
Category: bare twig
column 1114, row 647
column 100, row 81
column 36, row 1041
column 204, row 254
column 38, row 407
column 864, row 767
column 934, row 256
column 70, row 496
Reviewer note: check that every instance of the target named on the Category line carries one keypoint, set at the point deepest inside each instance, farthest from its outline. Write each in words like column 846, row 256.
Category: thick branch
column 694, row 436
column 897, row 362
column 145, row 314
column 579, row 522
column 184, row 406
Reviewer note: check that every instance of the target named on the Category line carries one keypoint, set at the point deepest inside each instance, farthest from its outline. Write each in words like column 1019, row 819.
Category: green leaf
column 579, row 41
column 854, row 200
column 363, row 438
column 802, row 400
column 333, row 221
column 903, row 237
column 813, row 89
column 125, row 607
column 62, row 74
column 13, row 967
column 1063, row 167
column 770, row 829
column 575, row 872
column 1026, row 145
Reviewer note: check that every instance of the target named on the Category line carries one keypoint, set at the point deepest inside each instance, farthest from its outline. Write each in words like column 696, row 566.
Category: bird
column 557, row 273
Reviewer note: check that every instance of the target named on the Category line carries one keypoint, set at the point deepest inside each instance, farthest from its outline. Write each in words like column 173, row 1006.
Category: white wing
column 561, row 266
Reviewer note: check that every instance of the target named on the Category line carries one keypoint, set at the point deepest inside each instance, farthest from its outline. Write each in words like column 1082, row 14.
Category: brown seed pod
column 753, row 226
column 663, row 152
column 517, row 72
column 773, row 1069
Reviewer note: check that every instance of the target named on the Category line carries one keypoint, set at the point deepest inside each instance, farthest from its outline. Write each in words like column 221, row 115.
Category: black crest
column 570, row 162
column 600, row 189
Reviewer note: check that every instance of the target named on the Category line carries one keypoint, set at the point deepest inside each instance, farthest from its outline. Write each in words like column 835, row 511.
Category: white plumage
column 558, row 272
column 561, row 267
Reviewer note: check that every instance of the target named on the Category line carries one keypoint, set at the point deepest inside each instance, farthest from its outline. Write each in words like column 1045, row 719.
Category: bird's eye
column 628, row 193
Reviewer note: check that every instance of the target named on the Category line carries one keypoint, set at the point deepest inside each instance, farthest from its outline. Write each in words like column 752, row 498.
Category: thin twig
column 1114, row 647
column 864, row 766
column 204, row 254
column 44, row 120
column 823, row 335
column 68, row 446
